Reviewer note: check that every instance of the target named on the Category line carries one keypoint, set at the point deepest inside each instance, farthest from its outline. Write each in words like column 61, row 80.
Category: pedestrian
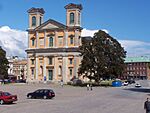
column 61, row 83
column 88, row 86
column 91, row 87
column 147, row 105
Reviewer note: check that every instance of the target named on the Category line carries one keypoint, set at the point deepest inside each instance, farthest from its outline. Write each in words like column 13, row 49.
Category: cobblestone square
column 71, row 99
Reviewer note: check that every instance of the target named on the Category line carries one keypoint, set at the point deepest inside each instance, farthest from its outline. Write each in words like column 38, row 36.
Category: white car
column 125, row 83
column 137, row 85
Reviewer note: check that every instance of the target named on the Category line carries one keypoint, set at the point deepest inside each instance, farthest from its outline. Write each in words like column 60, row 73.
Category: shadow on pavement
column 144, row 90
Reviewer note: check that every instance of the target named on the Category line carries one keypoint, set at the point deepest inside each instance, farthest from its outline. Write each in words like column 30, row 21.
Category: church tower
column 35, row 17
column 73, row 15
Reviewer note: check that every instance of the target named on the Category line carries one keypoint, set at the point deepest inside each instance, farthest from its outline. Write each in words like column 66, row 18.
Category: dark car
column 42, row 93
column 6, row 97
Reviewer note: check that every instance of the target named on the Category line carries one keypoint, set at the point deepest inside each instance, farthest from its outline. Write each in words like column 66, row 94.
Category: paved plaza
column 71, row 99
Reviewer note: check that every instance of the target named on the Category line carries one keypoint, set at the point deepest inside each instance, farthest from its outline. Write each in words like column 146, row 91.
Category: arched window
column 71, row 18
column 33, row 21
column 51, row 42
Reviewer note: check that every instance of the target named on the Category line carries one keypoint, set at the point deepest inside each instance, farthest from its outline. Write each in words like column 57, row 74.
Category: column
column 76, row 38
column 75, row 66
column 56, row 39
column 45, row 39
column 44, row 68
column 54, row 70
column 65, row 39
column 65, row 68
column 36, row 39
column 36, row 68
column 28, row 70
column 28, row 41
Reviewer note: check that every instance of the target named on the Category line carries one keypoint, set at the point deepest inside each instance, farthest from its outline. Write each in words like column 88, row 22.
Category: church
column 53, row 48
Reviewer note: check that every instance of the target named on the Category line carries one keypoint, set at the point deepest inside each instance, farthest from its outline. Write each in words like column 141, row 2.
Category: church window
column 33, row 21
column 71, row 18
column 51, row 42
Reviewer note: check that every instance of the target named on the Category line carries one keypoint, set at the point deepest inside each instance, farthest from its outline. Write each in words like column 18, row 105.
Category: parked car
column 6, row 97
column 138, row 85
column 125, row 83
column 41, row 93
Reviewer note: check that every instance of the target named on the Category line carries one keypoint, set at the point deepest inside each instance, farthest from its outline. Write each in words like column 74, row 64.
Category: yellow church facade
column 53, row 48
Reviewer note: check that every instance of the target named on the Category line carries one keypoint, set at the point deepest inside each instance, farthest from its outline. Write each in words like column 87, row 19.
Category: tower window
column 51, row 42
column 40, row 20
column 33, row 21
column 71, row 18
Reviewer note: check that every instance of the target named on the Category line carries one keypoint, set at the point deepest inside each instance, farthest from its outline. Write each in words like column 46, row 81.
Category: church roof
column 53, row 22
column 72, row 6
column 33, row 10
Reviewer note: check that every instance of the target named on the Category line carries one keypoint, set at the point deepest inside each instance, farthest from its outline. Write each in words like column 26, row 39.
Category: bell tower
column 35, row 17
column 73, row 15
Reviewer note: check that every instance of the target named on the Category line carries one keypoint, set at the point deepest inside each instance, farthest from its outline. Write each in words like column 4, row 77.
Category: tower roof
column 72, row 6
column 33, row 10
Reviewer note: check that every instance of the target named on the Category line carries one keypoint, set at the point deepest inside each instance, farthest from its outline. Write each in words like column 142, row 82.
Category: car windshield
column 6, row 94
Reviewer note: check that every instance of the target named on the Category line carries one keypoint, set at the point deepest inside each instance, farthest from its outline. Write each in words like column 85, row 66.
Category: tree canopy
column 102, row 57
column 3, row 64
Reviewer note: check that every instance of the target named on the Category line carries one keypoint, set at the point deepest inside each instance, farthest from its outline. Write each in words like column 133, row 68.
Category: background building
column 17, row 68
column 52, row 52
column 137, row 67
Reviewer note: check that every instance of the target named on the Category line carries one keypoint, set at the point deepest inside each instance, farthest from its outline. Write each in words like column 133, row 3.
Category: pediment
column 50, row 24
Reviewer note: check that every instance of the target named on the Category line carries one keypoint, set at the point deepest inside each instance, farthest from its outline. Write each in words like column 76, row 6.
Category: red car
column 6, row 97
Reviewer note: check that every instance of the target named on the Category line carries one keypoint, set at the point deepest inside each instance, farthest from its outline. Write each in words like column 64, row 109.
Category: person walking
column 147, row 105
column 61, row 83
column 88, row 87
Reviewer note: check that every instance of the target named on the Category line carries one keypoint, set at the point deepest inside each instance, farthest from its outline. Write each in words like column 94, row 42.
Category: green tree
column 3, row 64
column 102, row 57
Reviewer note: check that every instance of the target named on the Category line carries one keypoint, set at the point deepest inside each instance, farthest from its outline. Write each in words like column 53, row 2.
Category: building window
column 32, row 61
column 41, row 41
column 71, row 40
column 71, row 18
column 70, row 70
column 60, row 40
column 51, row 42
column 50, row 61
column 32, row 71
column 50, row 74
column 70, row 60
column 40, row 20
column 33, row 42
column 33, row 21
column 59, row 71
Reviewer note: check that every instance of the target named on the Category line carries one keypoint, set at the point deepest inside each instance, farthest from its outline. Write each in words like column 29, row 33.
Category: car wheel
column 44, row 97
column 1, row 102
column 29, row 96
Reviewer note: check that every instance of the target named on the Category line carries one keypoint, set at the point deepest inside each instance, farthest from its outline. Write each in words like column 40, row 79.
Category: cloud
column 13, row 41
column 87, row 32
column 133, row 47
column 136, row 48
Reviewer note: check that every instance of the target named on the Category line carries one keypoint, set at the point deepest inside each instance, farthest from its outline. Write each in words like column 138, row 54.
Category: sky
column 128, row 21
